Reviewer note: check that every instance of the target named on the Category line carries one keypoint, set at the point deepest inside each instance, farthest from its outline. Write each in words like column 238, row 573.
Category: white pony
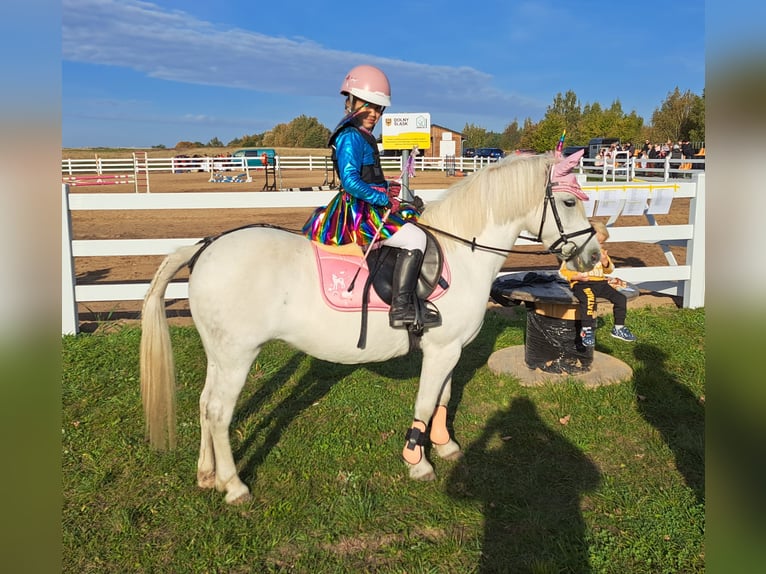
column 259, row 283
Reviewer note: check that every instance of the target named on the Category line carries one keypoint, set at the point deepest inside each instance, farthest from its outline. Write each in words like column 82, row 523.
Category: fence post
column 694, row 287
column 69, row 319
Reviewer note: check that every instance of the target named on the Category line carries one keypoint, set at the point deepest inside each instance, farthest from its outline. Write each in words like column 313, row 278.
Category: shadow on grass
column 530, row 481
column 321, row 376
column 311, row 387
column 676, row 413
column 474, row 356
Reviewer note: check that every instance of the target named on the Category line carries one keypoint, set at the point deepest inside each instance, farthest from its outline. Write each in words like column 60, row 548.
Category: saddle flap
column 338, row 266
column 434, row 273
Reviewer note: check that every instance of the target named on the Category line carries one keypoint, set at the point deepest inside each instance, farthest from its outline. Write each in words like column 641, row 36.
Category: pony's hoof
column 422, row 472
column 243, row 498
column 238, row 495
column 427, row 477
column 448, row 451
column 206, row 480
column 453, row 456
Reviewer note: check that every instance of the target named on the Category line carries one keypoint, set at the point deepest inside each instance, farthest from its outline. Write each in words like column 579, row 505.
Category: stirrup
column 427, row 314
column 403, row 315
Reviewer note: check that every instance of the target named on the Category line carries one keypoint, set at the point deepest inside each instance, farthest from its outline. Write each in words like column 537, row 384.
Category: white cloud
column 175, row 46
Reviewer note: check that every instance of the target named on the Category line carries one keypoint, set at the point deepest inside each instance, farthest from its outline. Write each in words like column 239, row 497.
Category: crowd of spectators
column 652, row 155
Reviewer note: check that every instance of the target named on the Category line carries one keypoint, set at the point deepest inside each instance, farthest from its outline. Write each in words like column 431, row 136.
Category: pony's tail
column 158, row 379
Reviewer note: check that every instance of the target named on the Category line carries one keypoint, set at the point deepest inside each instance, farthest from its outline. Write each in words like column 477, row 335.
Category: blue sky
column 147, row 73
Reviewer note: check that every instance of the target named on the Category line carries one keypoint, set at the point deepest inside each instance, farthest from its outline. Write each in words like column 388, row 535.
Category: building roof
column 433, row 125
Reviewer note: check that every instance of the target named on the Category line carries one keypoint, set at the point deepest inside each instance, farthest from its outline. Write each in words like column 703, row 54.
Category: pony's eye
column 570, row 202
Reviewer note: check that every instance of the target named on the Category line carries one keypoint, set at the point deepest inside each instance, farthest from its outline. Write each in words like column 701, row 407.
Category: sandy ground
column 196, row 223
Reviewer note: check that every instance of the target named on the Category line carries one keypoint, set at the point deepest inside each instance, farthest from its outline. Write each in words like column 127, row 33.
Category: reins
column 554, row 249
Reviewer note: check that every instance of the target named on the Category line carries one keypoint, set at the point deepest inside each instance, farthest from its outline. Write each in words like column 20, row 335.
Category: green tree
column 565, row 111
column 254, row 140
column 475, row 136
column 696, row 124
column 592, row 124
column 302, row 131
column 632, row 129
column 547, row 132
column 528, row 135
column 215, row 142
column 511, row 136
column 672, row 120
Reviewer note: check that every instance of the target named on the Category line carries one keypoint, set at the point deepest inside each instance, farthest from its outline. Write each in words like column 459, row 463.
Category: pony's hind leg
column 215, row 465
column 206, row 460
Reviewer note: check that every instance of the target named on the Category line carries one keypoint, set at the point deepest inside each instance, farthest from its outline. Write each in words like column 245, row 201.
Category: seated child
column 592, row 284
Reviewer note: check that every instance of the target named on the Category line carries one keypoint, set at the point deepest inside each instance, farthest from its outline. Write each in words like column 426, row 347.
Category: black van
column 595, row 145
column 570, row 149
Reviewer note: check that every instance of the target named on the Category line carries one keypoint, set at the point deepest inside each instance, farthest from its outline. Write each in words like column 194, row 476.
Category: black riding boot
column 405, row 308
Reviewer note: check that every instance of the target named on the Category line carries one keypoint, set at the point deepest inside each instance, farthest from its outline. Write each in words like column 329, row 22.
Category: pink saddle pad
column 338, row 265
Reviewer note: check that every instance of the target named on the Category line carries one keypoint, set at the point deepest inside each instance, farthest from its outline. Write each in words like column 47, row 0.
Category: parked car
column 491, row 152
column 469, row 152
column 255, row 156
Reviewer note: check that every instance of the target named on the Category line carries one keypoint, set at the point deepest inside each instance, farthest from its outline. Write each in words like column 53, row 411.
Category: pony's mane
column 498, row 193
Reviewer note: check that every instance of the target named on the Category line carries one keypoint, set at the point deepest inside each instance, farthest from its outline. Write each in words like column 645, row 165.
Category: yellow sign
column 405, row 131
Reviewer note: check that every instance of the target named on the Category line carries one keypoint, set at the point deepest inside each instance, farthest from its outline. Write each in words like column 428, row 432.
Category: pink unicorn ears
column 563, row 179
column 567, row 164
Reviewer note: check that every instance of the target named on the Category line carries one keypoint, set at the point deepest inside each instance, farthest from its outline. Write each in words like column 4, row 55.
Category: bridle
column 563, row 246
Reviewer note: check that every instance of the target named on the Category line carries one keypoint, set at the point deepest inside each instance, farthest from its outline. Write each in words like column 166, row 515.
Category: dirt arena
column 201, row 223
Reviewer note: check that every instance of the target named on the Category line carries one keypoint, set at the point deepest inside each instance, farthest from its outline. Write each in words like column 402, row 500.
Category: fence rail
column 627, row 169
column 686, row 280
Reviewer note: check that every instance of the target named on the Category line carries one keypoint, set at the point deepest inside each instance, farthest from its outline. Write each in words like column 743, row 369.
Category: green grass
column 619, row 488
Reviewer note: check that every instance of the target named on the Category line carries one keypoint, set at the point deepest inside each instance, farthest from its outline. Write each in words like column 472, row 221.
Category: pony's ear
column 567, row 164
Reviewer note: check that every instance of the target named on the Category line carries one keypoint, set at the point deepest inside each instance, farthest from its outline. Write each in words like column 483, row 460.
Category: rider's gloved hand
column 394, row 204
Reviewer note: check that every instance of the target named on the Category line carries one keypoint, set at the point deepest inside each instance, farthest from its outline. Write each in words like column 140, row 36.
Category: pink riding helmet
column 367, row 83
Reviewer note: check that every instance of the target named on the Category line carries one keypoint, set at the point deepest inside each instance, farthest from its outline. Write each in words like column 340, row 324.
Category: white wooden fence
column 622, row 169
column 686, row 280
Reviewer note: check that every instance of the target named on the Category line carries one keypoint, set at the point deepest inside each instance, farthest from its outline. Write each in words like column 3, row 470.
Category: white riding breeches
column 409, row 237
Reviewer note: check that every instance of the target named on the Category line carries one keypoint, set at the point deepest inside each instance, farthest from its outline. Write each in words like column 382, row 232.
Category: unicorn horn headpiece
column 560, row 145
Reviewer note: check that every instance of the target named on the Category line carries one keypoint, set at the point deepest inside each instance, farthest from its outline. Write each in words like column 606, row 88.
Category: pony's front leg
column 444, row 446
column 415, row 440
column 414, row 455
column 430, row 405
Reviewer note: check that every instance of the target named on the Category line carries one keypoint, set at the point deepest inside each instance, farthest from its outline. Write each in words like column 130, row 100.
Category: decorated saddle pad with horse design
column 338, row 265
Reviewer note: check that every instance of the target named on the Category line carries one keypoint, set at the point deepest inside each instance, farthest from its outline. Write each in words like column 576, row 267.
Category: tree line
column 680, row 116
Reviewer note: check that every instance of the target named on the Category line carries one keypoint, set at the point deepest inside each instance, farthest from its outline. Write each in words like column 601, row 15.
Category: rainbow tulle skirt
column 347, row 219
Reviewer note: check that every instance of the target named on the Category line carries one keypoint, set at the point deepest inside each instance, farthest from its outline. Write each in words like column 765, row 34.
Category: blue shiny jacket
column 355, row 157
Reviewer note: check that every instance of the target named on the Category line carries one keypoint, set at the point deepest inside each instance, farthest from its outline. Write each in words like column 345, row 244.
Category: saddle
column 347, row 287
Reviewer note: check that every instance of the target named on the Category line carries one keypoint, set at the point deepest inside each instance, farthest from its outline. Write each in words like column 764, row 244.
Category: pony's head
column 539, row 193
column 564, row 227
